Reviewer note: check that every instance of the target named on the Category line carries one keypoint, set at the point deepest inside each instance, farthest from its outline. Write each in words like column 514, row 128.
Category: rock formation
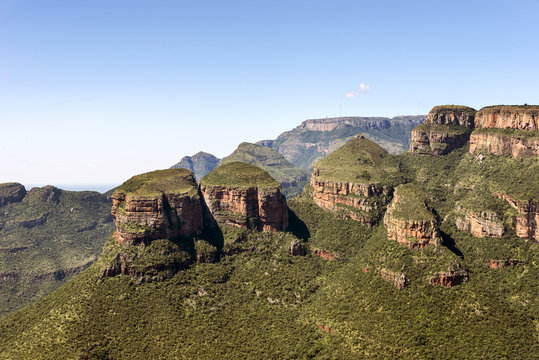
column 355, row 181
column 506, row 130
column 498, row 264
column 449, row 278
column 163, row 204
column 399, row 280
column 408, row 219
column 200, row 164
column 297, row 248
column 11, row 193
column 446, row 128
column 246, row 196
column 479, row 223
column 526, row 222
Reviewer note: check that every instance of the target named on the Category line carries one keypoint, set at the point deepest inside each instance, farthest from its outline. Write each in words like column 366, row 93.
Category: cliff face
column 446, row 128
column 526, row 223
column 261, row 206
column 479, row 224
column 507, row 130
column 355, row 181
column 141, row 219
column 409, row 221
column 450, row 278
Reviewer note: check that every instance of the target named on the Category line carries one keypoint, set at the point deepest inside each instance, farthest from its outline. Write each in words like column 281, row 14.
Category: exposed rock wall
column 450, row 278
column 253, row 208
column 446, row 128
column 526, row 222
column 399, row 280
column 140, row 219
column 360, row 202
column 479, row 224
column 507, row 130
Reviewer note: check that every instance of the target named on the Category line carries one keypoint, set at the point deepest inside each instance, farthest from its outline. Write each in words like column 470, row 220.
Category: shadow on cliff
column 449, row 243
column 297, row 227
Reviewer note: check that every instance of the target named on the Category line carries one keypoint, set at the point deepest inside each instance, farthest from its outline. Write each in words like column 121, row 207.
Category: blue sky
column 98, row 91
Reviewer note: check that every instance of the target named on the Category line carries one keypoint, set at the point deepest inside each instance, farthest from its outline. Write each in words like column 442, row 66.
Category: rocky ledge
column 446, row 128
column 245, row 196
column 506, row 130
column 449, row 278
column 526, row 222
column 355, row 181
column 162, row 204
column 479, row 223
column 409, row 220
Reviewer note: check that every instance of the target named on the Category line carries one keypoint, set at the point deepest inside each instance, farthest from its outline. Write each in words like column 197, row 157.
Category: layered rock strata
column 506, row 130
column 245, row 196
column 479, row 224
column 355, row 181
column 450, row 278
column 526, row 222
column 409, row 221
column 446, row 128
column 165, row 206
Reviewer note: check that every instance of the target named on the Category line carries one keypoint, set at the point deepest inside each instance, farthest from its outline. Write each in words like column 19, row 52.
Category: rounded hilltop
column 170, row 181
column 240, row 175
column 358, row 161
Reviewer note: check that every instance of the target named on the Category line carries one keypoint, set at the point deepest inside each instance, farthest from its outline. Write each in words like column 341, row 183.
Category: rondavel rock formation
column 155, row 213
column 347, row 183
column 245, row 196
column 409, row 221
column 446, row 128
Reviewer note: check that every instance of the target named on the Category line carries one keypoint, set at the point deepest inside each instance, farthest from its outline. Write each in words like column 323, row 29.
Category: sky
column 94, row 92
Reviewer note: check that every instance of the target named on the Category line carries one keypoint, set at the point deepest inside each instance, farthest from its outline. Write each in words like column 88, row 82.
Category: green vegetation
column 176, row 181
column 530, row 109
column 239, row 174
column 452, row 108
column 532, row 134
column 291, row 178
column 360, row 161
column 411, row 204
column 68, row 234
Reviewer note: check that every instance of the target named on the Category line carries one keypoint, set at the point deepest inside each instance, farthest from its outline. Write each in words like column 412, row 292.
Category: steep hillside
column 316, row 138
column 47, row 235
column 200, row 164
column 291, row 178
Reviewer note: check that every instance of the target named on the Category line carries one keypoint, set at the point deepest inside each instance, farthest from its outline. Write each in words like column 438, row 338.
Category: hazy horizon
column 96, row 92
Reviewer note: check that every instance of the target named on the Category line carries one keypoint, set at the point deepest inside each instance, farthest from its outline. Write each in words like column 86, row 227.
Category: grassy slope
column 176, row 181
column 72, row 236
column 274, row 163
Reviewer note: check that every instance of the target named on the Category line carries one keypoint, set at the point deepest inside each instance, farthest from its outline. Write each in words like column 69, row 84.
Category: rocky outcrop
column 49, row 193
column 409, row 221
column 166, row 210
column 450, row 278
column 200, row 164
column 507, row 130
column 503, row 144
column 479, row 224
column 11, row 193
column 526, row 222
column 245, row 196
column 446, row 128
column 499, row 264
column 326, row 255
column 297, row 248
column 360, row 202
column 399, row 280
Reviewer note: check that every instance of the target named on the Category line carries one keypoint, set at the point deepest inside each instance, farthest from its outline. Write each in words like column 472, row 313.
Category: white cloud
column 363, row 89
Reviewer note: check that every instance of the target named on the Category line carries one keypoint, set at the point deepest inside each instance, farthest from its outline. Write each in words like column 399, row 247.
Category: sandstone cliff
column 409, row 221
column 355, row 181
column 446, row 128
column 526, row 222
column 163, row 204
column 246, row 196
column 506, row 130
column 479, row 223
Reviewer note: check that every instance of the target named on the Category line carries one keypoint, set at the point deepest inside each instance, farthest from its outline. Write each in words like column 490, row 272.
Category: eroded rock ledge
column 409, row 221
column 526, row 222
column 479, row 223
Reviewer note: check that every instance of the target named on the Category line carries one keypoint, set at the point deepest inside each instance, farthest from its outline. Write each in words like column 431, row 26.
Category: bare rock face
column 499, row 264
column 399, row 280
column 245, row 196
column 163, row 204
column 479, row 224
column 526, row 222
column 507, row 130
column 450, row 278
column 409, row 221
column 11, row 193
column 297, row 248
column 445, row 129
column 355, row 181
